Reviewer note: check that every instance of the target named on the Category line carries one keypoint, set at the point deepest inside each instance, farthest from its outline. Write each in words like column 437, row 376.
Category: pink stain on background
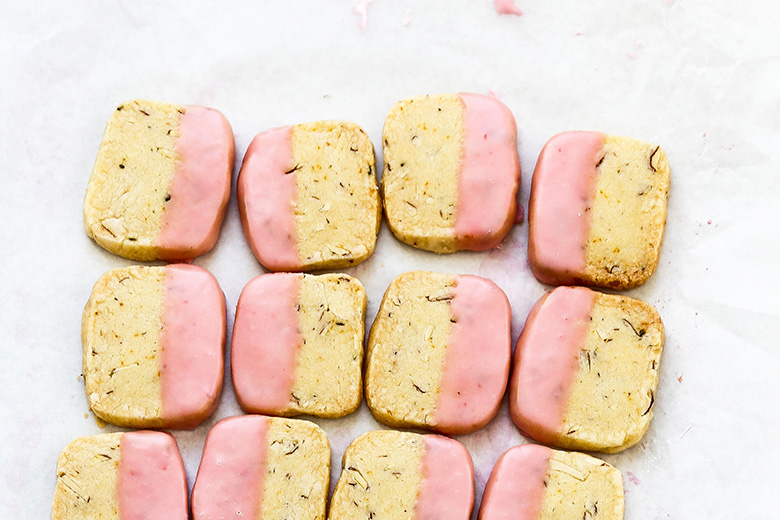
column 507, row 7
column 361, row 9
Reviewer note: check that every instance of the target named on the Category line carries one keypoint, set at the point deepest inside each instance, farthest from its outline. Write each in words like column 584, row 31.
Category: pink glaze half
column 447, row 488
column 476, row 363
column 200, row 187
column 490, row 173
column 266, row 341
column 516, row 487
column 193, row 343
column 546, row 360
column 561, row 196
column 152, row 482
column 266, row 198
column 232, row 470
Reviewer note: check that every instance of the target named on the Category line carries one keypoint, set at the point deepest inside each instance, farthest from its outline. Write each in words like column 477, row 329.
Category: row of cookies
column 309, row 199
column 438, row 355
column 261, row 467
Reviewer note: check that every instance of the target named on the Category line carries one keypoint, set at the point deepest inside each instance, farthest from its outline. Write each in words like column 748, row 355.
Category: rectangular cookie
column 308, row 196
column 298, row 344
column 586, row 370
column 153, row 344
column 262, row 468
column 120, row 476
column 597, row 210
column 391, row 474
column 161, row 181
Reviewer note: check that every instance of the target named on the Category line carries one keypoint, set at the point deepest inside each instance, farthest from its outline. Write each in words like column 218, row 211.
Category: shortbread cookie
column 598, row 210
column 262, row 468
column 451, row 172
column 531, row 482
column 120, row 476
column 298, row 344
column 153, row 342
column 391, row 474
column 161, row 181
column 586, row 369
column 438, row 353
column 308, row 197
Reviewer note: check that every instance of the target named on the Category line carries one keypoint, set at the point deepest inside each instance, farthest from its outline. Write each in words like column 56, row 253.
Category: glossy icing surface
column 447, row 487
column 152, row 483
column 193, row 341
column 546, row 360
column 476, row 362
column 561, row 197
column 266, row 199
column 489, row 175
column 198, row 194
column 517, row 485
column 266, row 341
column 232, row 471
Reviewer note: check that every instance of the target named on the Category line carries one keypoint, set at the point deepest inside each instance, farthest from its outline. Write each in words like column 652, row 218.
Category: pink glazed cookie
column 598, row 210
column 438, row 353
column 586, row 369
column 161, row 182
column 391, row 474
column 532, row 482
column 298, row 344
column 153, row 342
column 256, row 467
column 308, row 197
column 451, row 172
column 121, row 476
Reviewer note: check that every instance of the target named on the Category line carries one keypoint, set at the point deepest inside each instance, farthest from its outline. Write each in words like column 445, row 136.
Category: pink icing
column 507, row 7
column 447, row 488
column 266, row 341
column 516, row 487
column 200, row 187
column 193, row 342
column 152, row 483
column 266, row 198
column 230, row 478
column 476, row 363
column 562, row 192
column 547, row 357
column 489, row 176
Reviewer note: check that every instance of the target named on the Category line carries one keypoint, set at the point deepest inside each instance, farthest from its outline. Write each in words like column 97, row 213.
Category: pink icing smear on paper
column 152, row 483
column 231, row 475
column 267, row 193
column 547, row 359
column 516, row 488
column 447, row 487
column 490, row 173
column 561, row 195
column 193, row 341
column 266, row 341
column 476, row 362
column 200, row 187
column 361, row 9
column 507, row 7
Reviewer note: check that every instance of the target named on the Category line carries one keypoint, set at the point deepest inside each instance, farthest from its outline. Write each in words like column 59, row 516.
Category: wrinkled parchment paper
column 702, row 79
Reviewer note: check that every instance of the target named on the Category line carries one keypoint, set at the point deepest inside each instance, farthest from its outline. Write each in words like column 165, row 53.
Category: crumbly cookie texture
column 120, row 359
column 328, row 380
column 126, row 194
column 406, row 349
column 611, row 401
column 337, row 210
column 422, row 141
column 87, row 475
column 581, row 486
column 297, row 471
column 381, row 477
column 628, row 214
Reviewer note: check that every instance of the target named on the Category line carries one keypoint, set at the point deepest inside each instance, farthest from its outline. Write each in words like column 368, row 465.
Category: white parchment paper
column 700, row 78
